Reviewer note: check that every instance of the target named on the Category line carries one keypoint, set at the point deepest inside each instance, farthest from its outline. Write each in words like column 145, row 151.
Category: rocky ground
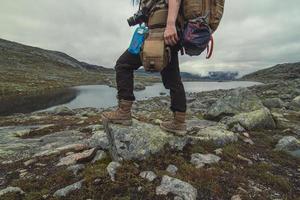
column 242, row 144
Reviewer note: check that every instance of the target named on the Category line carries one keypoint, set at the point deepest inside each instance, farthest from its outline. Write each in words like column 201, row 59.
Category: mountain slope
column 287, row 71
column 28, row 70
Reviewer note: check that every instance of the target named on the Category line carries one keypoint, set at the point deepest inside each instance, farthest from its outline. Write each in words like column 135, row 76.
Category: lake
column 102, row 96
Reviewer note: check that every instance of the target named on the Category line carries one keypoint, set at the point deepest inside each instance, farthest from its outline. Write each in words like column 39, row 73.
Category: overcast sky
column 253, row 34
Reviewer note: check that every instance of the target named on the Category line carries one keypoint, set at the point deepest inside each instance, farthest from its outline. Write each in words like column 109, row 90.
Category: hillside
column 27, row 70
column 287, row 71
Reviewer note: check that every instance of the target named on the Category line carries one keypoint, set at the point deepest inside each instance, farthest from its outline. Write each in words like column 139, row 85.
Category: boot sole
column 176, row 132
column 125, row 122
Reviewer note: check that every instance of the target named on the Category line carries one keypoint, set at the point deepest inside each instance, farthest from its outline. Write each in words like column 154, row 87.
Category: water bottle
column 138, row 39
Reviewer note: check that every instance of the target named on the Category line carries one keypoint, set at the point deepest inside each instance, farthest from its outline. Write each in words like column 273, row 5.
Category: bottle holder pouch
column 155, row 55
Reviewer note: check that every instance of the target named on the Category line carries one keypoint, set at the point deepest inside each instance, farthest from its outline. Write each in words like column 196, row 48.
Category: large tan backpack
column 210, row 10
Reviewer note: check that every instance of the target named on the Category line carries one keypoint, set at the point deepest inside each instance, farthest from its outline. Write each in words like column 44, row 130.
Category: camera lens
column 131, row 21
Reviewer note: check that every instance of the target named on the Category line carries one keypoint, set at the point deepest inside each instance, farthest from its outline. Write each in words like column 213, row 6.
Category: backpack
column 211, row 11
column 201, row 19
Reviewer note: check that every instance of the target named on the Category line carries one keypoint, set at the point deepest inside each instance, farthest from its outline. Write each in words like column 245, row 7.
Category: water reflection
column 102, row 96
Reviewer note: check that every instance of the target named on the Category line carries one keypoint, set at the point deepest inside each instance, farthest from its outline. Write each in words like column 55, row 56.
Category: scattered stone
column 236, row 197
column 245, row 159
column 29, row 162
column 259, row 119
column 99, row 156
column 296, row 103
column 15, row 190
column 248, row 141
column 67, row 190
column 273, row 103
column 176, row 187
column 200, row 160
column 219, row 151
column 218, row 134
column 149, row 175
column 76, row 168
column 157, row 121
column 246, row 134
column 237, row 128
column 234, row 102
column 85, row 156
column 289, row 144
column 172, row 169
column 99, row 140
column 135, row 142
column 139, row 87
column 63, row 111
column 22, row 133
column 179, row 143
column 72, row 147
column 195, row 125
column 112, row 169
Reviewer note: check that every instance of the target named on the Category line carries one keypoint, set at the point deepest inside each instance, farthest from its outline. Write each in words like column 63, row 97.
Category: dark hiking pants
column 125, row 67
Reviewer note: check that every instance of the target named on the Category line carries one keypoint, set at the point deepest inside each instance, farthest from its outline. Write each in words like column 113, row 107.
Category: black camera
column 137, row 18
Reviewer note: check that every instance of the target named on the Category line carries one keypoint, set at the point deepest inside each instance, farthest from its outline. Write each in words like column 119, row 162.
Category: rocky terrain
column 286, row 71
column 241, row 144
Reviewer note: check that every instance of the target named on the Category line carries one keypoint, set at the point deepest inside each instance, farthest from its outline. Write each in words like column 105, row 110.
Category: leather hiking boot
column 177, row 125
column 120, row 116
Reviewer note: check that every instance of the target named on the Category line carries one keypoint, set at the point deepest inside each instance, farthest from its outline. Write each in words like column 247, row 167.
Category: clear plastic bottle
column 138, row 39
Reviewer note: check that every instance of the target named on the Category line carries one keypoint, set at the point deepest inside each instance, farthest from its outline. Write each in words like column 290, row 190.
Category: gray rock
column 176, row 187
column 289, row 144
column 135, row 142
column 72, row 159
column 236, row 197
column 172, row 169
column 67, row 190
column 63, row 111
column 139, row 86
column 234, row 102
column 218, row 134
column 112, row 169
column 99, row 140
column 179, row 143
column 99, row 156
column 76, row 168
column 200, row 160
column 237, row 128
column 273, row 103
column 149, row 175
column 295, row 103
column 195, row 125
column 259, row 119
column 15, row 190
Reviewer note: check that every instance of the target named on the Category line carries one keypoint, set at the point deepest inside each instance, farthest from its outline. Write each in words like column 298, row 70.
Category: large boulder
column 255, row 120
column 273, row 103
column 289, row 144
column 177, row 187
column 67, row 190
column 135, row 142
column 234, row 102
column 295, row 104
column 217, row 134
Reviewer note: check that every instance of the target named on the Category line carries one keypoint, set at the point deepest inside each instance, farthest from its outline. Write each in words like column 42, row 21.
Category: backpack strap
column 211, row 48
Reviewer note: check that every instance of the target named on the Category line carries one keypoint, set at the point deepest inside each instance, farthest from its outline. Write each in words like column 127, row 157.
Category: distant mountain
column 96, row 67
column 287, row 71
column 26, row 70
column 184, row 75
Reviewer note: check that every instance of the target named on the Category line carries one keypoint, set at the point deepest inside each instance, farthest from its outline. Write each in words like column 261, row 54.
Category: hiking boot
column 120, row 116
column 177, row 125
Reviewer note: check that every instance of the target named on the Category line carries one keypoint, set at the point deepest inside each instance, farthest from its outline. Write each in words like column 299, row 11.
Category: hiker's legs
column 172, row 80
column 125, row 67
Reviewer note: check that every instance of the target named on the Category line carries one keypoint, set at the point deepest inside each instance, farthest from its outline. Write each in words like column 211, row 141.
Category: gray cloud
column 253, row 34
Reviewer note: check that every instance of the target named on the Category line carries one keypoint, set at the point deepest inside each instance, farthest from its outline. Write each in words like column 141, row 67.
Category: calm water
column 102, row 96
